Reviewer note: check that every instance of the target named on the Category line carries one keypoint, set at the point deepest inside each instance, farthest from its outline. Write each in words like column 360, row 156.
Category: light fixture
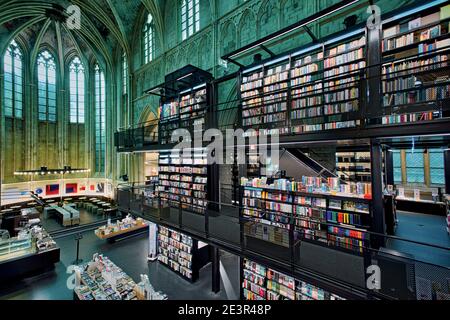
column 45, row 171
column 185, row 76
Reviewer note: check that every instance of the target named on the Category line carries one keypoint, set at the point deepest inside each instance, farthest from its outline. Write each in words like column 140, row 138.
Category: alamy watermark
column 232, row 146
column 374, row 20
column 73, row 20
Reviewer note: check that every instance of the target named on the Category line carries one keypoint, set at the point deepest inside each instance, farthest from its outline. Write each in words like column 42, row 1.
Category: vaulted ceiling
column 105, row 24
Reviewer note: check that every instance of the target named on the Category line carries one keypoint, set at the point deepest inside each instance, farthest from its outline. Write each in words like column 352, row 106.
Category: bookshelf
column 262, row 283
column 186, row 110
column 354, row 166
column 181, row 253
column 330, row 213
column 314, row 91
column 183, row 180
column 415, row 68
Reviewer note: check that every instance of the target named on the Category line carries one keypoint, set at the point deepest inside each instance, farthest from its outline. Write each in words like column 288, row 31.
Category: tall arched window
column 190, row 17
column 46, row 70
column 100, row 125
column 13, row 82
column 77, row 91
column 149, row 39
column 125, row 74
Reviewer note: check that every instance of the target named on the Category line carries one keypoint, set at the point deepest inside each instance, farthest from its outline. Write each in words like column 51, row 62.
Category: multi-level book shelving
column 415, row 69
column 168, row 120
column 187, row 110
column 263, row 283
column 181, row 253
column 354, row 166
column 183, row 180
column 308, row 92
column 331, row 213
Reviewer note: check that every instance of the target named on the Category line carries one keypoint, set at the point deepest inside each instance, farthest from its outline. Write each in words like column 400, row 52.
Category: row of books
column 341, row 70
column 430, row 47
column 417, row 22
column 169, row 110
column 269, row 284
column 182, row 170
column 307, row 102
column 175, row 250
column 406, row 68
column 410, row 117
column 270, row 118
column 307, row 291
column 278, row 77
column 307, row 113
column 350, row 106
column 192, row 99
column 313, row 185
column 344, row 58
column 304, row 70
column 325, row 126
column 257, row 110
column 411, row 38
column 338, row 96
column 416, row 95
column 347, row 46
column 266, row 204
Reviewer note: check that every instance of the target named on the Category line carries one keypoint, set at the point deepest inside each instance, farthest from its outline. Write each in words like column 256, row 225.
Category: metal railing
column 409, row 269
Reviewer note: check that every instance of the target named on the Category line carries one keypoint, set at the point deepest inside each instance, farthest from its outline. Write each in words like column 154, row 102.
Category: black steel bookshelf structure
column 349, row 88
column 312, row 90
column 181, row 253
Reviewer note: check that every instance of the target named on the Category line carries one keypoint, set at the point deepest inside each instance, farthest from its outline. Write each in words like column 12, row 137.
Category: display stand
column 32, row 252
column 124, row 229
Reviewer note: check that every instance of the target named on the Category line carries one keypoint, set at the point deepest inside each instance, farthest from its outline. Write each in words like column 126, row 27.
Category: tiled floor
column 131, row 256
column 423, row 228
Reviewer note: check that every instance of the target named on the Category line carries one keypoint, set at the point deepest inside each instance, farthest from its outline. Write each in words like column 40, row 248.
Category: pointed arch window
column 77, row 91
column 46, row 71
column 125, row 74
column 100, row 125
column 13, row 82
column 149, row 39
column 190, row 18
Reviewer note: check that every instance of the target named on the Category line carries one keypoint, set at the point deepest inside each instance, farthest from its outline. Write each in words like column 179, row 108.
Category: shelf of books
column 168, row 120
column 263, row 283
column 353, row 166
column 183, row 180
column 329, row 213
column 415, row 71
column 181, row 253
column 185, row 111
column 315, row 91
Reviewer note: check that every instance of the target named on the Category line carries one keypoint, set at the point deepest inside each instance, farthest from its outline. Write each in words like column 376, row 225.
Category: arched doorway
column 146, row 164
